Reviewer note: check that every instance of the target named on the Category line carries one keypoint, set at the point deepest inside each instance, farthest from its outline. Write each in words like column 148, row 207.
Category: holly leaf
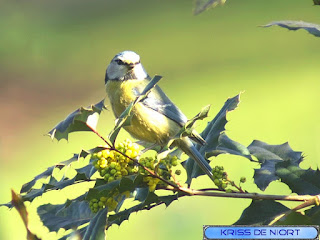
column 150, row 200
column 202, row 5
column 269, row 156
column 314, row 214
column 261, row 212
column 47, row 173
column 312, row 28
column 228, row 146
column 97, row 226
column 211, row 135
column 316, row 2
column 27, row 186
column 71, row 214
column 299, row 180
column 200, row 116
column 294, row 218
column 82, row 119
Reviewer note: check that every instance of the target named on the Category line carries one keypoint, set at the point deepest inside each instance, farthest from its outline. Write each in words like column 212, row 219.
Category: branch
column 255, row 196
column 100, row 136
column 313, row 201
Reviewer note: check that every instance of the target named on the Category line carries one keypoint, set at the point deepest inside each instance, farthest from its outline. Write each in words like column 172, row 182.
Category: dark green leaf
column 294, row 218
column 269, row 156
column 316, row 2
column 142, row 194
column 312, row 28
column 148, row 200
column 67, row 215
column 211, row 135
column 27, row 186
column 261, row 212
column 122, row 121
column 266, row 174
column 168, row 199
column 83, row 119
column 200, row 116
column 314, row 214
column 299, row 180
column 264, row 151
column 187, row 129
column 97, row 226
column 202, row 5
column 228, row 146
column 87, row 170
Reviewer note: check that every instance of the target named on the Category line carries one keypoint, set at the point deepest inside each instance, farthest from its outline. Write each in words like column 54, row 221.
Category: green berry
column 103, row 199
column 216, row 182
column 178, row 172
column 106, row 177
column 124, row 172
column 110, row 179
column 243, row 179
column 174, row 163
column 113, row 165
column 103, row 172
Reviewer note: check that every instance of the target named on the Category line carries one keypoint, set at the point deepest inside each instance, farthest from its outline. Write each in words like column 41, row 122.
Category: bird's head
column 125, row 65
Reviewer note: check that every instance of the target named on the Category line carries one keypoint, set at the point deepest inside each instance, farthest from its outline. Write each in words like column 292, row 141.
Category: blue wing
column 158, row 101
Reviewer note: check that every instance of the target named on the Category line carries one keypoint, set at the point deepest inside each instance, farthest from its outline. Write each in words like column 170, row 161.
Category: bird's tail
column 187, row 146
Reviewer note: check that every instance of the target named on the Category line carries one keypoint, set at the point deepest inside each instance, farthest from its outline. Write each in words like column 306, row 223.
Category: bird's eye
column 119, row 62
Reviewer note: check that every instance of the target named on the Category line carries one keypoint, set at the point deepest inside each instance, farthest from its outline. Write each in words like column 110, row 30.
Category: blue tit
column 155, row 119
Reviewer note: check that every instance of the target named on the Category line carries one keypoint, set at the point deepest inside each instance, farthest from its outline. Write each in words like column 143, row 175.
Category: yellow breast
column 147, row 124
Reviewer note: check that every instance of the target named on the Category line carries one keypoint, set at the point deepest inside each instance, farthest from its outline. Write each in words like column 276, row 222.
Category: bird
column 155, row 119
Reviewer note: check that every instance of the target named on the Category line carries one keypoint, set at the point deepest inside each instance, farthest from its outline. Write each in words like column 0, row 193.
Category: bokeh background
column 53, row 56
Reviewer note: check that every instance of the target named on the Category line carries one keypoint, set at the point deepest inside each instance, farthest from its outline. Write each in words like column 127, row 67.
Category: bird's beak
column 131, row 65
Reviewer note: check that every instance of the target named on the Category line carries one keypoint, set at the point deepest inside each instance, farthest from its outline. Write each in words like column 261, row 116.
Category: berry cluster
column 220, row 177
column 113, row 165
column 111, row 202
column 163, row 168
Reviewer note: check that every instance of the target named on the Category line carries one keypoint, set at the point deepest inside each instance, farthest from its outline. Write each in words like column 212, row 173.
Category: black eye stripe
column 119, row 62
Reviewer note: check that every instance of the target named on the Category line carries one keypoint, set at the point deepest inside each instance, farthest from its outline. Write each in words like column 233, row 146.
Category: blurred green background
column 53, row 56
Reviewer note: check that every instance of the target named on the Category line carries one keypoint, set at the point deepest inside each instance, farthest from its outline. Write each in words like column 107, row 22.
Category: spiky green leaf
column 211, row 135
column 312, row 28
column 261, row 212
column 97, row 226
column 228, row 146
column 82, row 119
column 300, row 181
column 68, row 215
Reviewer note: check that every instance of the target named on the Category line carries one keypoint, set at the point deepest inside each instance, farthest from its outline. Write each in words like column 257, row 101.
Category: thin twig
column 314, row 201
column 255, row 196
column 100, row 136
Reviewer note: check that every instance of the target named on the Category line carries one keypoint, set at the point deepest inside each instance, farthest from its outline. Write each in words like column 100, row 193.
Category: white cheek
column 140, row 72
column 116, row 71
